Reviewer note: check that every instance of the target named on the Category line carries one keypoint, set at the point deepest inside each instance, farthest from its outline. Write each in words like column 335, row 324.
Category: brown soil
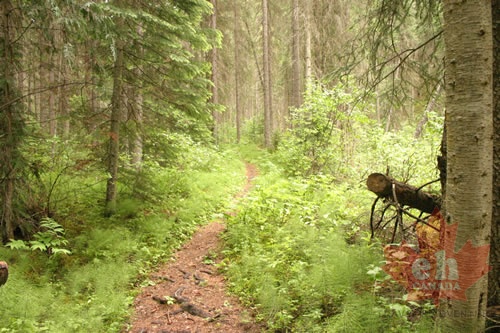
column 195, row 287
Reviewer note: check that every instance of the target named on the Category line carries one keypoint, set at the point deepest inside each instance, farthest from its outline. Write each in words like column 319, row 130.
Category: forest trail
column 202, row 302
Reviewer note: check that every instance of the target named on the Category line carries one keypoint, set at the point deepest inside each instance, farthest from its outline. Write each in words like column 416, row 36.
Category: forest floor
column 189, row 295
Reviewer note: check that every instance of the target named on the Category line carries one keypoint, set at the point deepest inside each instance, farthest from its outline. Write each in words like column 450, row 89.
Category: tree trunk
column 468, row 201
column 268, row 114
column 137, row 116
column 137, row 111
column 52, row 96
column 114, row 132
column 296, row 86
column 215, row 69
column 63, row 108
column 388, row 121
column 91, row 81
column 11, row 123
column 236, row 72
column 308, row 46
column 406, row 195
column 430, row 106
column 494, row 275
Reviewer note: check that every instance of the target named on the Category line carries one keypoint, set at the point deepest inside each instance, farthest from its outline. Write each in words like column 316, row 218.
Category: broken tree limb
column 184, row 304
column 386, row 187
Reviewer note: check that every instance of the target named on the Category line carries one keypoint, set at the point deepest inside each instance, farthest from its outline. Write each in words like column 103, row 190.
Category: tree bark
column 469, row 132
column 268, row 114
column 236, row 24
column 215, row 72
column 11, row 123
column 494, row 274
column 296, row 84
column 308, row 45
column 63, row 107
column 406, row 195
column 114, row 132
column 137, row 111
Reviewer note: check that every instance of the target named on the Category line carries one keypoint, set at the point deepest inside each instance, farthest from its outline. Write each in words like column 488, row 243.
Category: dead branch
column 185, row 305
column 404, row 194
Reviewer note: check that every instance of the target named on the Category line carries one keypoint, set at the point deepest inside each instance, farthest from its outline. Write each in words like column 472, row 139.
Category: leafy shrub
column 332, row 133
column 317, row 140
column 50, row 239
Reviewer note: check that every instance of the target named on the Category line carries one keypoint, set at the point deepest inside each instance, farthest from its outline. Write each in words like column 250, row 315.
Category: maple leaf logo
column 434, row 270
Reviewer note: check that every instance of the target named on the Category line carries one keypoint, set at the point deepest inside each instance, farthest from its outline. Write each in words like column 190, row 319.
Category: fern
column 50, row 239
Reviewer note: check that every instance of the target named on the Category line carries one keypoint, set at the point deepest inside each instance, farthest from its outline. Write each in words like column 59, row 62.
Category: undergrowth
column 299, row 250
column 299, row 253
column 92, row 289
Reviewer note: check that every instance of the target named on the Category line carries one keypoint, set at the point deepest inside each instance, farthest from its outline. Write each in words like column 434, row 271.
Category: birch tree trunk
column 468, row 201
column 494, row 275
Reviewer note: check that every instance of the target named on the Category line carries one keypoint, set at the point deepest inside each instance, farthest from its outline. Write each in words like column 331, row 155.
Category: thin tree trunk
column 215, row 69
column 114, row 132
column 38, row 78
column 296, row 84
column 137, row 144
column 268, row 114
column 91, row 85
column 137, row 112
column 468, row 201
column 238, row 110
column 63, row 108
column 389, row 119
column 52, row 95
column 308, row 46
column 429, row 108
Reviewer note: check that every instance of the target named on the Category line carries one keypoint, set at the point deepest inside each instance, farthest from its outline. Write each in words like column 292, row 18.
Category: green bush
column 333, row 133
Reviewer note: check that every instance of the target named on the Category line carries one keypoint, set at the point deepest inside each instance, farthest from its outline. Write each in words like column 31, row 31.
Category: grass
column 298, row 251
column 92, row 289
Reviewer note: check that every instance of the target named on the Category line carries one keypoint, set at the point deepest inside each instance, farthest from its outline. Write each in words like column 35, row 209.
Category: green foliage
column 289, row 259
column 318, row 138
column 298, row 249
column 332, row 134
column 50, row 239
column 92, row 289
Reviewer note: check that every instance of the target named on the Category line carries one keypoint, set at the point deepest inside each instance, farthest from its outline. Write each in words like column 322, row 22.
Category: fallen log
column 386, row 187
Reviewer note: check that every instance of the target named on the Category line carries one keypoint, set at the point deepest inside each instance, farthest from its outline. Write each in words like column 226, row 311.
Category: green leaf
column 61, row 251
column 17, row 244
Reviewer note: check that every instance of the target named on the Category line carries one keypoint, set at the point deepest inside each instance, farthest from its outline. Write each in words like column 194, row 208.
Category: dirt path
column 201, row 303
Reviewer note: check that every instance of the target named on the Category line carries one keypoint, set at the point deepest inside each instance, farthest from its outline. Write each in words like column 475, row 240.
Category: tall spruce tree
column 166, row 50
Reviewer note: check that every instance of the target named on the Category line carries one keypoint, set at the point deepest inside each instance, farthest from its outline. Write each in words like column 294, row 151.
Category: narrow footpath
column 189, row 295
